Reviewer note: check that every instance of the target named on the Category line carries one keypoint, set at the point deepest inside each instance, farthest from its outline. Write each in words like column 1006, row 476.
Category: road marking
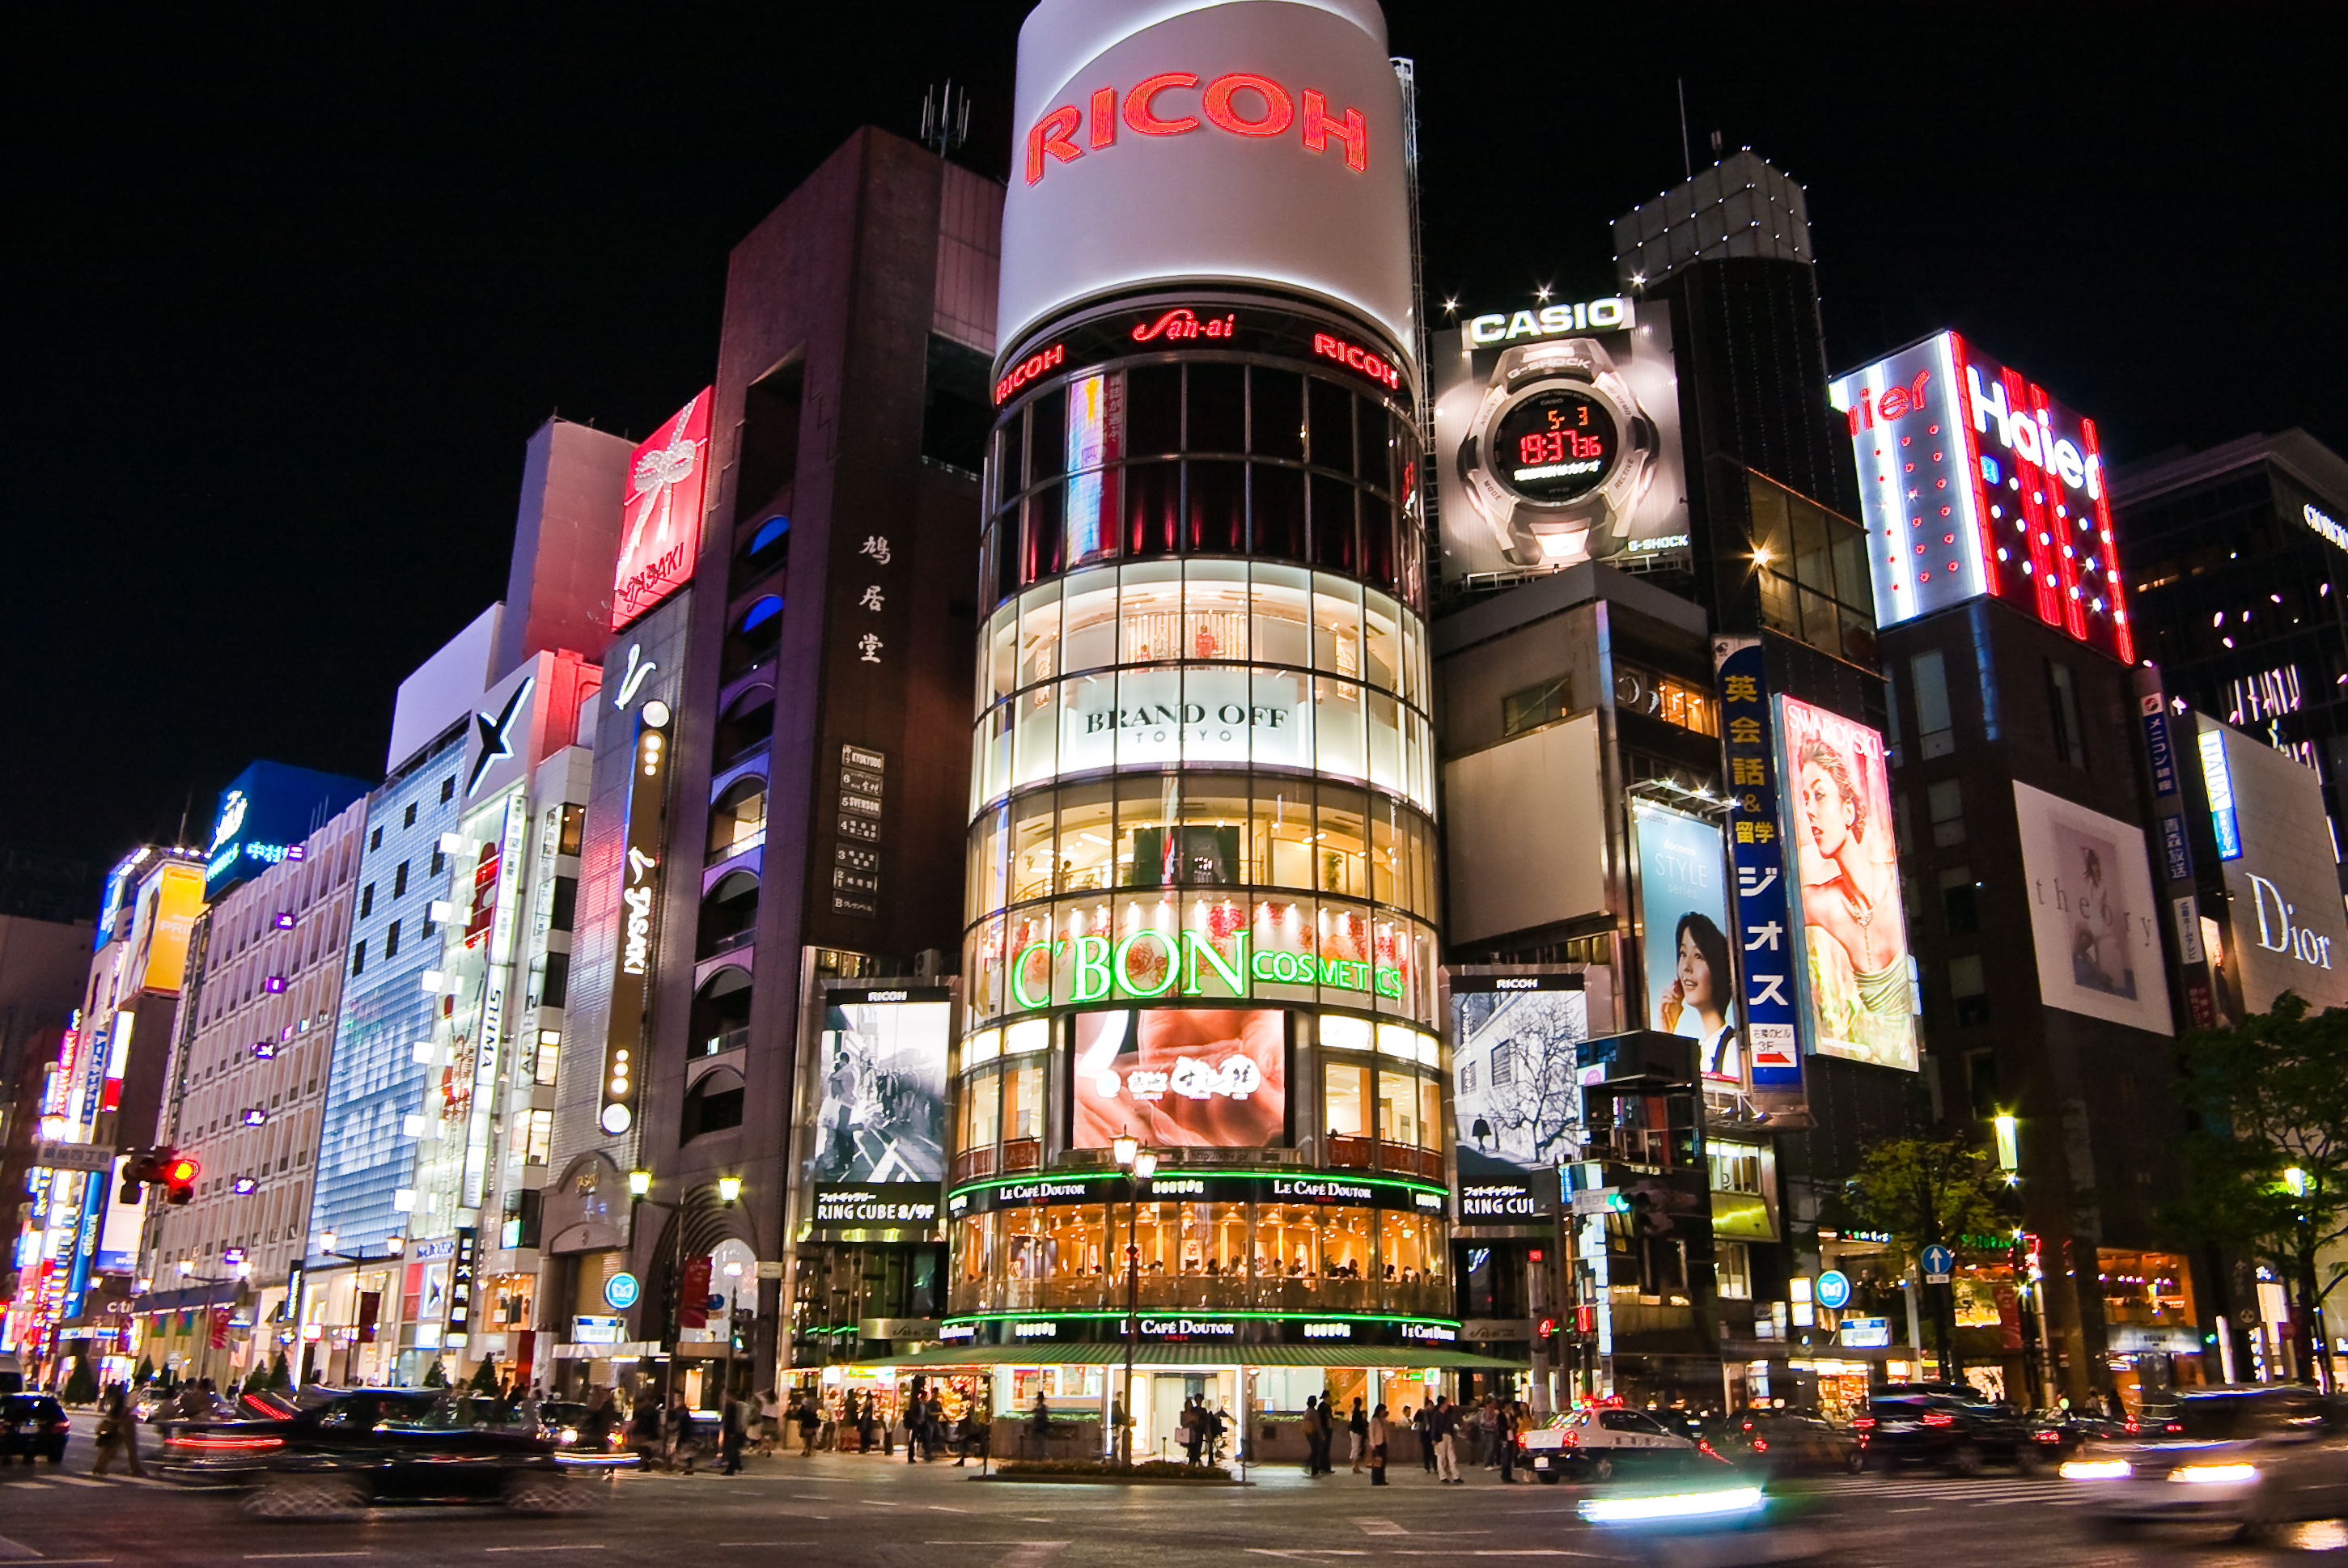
column 562, row 1546
column 1908, row 1511
column 1032, row 1554
column 800, row 1542
column 1380, row 1527
column 297, row 1556
column 14, row 1551
column 942, row 1508
column 80, row 1479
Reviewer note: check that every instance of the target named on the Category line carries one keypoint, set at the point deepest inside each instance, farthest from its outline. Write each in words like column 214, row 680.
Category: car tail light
column 1940, row 1420
column 2132, row 1425
column 1864, row 1424
column 2049, row 1436
column 204, row 1441
column 1572, row 1439
column 1760, row 1445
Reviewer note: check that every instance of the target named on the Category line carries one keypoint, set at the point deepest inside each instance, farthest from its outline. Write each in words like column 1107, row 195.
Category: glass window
column 1341, row 845
column 1336, row 534
column 995, row 752
column 1284, row 820
column 1217, row 407
column 1153, row 503
column 1047, row 424
column 1405, row 1248
column 1031, row 847
column 1401, row 1111
column 1087, row 842
column 1283, row 612
column 1215, row 610
column 1215, row 502
column 1089, row 623
column 1153, row 410
column 1215, row 844
column 981, row 1109
column 1344, row 1098
column 1331, row 410
column 1150, row 616
column 1002, row 655
column 1381, row 642
column 1276, row 414
column 1282, row 718
column 1336, row 626
column 989, row 863
column 1023, row 1099
column 1385, row 733
column 1276, row 499
column 1145, row 808
column 1338, row 729
column 1341, row 1032
column 1037, row 755
column 1346, row 1243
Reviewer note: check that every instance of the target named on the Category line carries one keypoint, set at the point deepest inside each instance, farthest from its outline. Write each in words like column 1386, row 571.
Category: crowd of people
column 1486, row 1428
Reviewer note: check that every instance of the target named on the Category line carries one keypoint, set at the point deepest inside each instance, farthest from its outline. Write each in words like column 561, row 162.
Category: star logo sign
column 497, row 733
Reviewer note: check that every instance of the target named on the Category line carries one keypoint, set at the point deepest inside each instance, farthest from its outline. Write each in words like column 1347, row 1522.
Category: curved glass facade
column 1203, row 863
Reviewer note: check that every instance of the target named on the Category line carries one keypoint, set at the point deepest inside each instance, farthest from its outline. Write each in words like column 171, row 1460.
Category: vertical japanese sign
column 2174, row 864
column 624, row 1039
column 1758, row 852
column 464, row 1274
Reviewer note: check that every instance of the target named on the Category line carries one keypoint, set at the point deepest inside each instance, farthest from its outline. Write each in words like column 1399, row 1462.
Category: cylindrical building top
column 1184, row 141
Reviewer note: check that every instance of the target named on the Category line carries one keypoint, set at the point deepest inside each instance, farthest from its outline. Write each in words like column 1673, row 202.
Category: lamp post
column 1139, row 1165
column 728, row 1187
column 394, row 1247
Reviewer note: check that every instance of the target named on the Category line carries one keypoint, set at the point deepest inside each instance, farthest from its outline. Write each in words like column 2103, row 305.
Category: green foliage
column 146, row 1373
column 81, row 1383
column 1920, row 1191
column 280, row 1375
column 485, row 1376
column 2272, row 1098
column 257, row 1379
column 436, row 1376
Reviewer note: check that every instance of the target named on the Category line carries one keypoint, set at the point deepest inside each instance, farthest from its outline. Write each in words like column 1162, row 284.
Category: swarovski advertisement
column 1516, row 1040
column 1557, row 438
column 1182, row 1077
column 1861, row 1004
column 881, row 1070
column 1683, row 908
column 1181, row 140
column 2287, row 933
column 2015, row 503
column 2091, row 915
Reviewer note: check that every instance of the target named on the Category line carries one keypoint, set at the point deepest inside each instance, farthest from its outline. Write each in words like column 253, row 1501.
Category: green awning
column 1111, row 1355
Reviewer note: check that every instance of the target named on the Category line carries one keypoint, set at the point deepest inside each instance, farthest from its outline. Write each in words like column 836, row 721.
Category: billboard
column 1165, row 140
column 1530, row 858
column 264, row 814
column 1973, row 482
column 1860, row 999
column 880, row 1078
column 660, row 520
column 2092, row 919
column 1690, row 972
column 1180, row 1078
column 168, row 900
column 1516, row 1042
column 1765, row 904
column 2281, row 884
column 1557, row 438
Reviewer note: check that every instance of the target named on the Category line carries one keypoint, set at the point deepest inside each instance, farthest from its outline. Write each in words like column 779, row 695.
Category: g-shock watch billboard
column 1558, row 454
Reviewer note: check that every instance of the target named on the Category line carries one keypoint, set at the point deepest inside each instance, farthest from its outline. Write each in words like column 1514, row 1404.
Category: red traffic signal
column 1585, row 1319
column 181, row 1171
column 1548, row 1327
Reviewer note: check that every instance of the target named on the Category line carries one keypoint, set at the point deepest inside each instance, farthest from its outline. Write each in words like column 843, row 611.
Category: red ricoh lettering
column 1238, row 103
column 1361, row 359
column 1029, row 368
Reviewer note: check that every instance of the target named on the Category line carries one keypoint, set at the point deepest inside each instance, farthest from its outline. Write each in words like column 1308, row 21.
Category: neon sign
column 1357, row 358
column 1183, row 964
column 1183, row 322
column 1273, row 112
column 1612, row 314
column 1029, row 368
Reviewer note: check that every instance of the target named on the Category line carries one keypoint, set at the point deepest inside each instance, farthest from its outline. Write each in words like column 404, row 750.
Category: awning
column 194, row 1295
column 1107, row 1355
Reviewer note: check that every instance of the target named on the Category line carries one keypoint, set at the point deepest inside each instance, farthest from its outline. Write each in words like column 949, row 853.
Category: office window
column 2062, row 703
column 1935, row 734
column 374, row 840
column 366, row 901
column 1969, row 990
column 447, row 788
column 554, row 987
column 1946, row 799
column 1811, row 565
column 564, row 907
column 1533, row 706
column 439, row 862
column 409, row 820
column 400, row 880
column 1981, row 1082
column 391, row 940
column 358, row 958
column 537, row 1136
column 1959, row 901
column 1731, row 1268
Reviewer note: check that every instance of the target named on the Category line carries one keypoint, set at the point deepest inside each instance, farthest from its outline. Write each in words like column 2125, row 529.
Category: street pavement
column 851, row 1512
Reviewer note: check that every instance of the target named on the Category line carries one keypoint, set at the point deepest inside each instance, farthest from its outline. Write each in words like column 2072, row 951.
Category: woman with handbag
column 1378, row 1446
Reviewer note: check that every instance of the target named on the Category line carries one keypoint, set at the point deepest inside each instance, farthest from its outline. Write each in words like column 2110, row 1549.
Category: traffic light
column 1548, row 1327
column 167, row 1168
column 1585, row 1318
column 180, row 1173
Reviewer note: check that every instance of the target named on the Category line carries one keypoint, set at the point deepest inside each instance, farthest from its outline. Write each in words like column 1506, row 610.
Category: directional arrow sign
column 1938, row 1263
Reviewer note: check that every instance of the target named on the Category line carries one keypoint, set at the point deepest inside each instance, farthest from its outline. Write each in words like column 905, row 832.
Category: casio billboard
column 1156, row 140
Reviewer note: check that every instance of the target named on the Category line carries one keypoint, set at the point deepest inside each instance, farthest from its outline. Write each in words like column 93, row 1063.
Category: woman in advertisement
column 1851, row 909
column 1700, row 986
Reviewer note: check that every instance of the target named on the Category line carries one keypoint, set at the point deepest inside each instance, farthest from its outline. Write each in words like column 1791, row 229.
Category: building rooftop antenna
column 945, row 119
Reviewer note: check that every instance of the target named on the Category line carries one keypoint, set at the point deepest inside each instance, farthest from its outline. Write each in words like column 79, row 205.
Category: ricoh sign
column 1256, row 142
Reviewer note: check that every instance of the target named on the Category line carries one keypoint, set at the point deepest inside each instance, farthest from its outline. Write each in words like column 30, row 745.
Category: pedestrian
column 1377, row 1433
column 679, row 1436
column 770, row 1420
column 867, row 1419
column 1194, row 1428
column 1122, row 1437
column 1504, row 1434
column 644, row 1429
column 1324, row 1435
column 1488, row 1421
column 1420, row 1428
column 1358, row 1432
column 977, row 1433
column 733, row 1426
column 1039, row 1423
column 1444, row 1425
column 934, row 1425
column 810, row 1423
column 1310, row 1431
column 118, row 1432
column 595, row 1430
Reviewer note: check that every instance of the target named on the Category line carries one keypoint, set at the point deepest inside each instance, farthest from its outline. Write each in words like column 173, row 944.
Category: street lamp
column 1139, row 1165
column 393, row 1245
column 728, row 1189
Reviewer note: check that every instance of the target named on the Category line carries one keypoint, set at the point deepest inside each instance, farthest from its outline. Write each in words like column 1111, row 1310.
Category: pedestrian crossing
column 1940, row 1488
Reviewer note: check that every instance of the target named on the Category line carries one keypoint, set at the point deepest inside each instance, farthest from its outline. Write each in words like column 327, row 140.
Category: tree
column 2268, row 1157
column 485, row 1376
column 1922, row 1191
column 81, row 1383
column 146, row 1373
column 436, row 1376
column 257, row 1379
column 280, row 1375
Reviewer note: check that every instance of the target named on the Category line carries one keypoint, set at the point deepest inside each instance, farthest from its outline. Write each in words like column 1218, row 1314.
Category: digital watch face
column 1555, row 446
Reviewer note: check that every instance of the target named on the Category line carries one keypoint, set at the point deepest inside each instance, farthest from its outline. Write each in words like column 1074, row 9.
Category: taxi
column 1598, row 1442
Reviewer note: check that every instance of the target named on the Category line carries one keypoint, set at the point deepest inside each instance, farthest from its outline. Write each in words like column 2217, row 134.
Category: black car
column 1958, row 1435
column 33, row 1426
column 344, row 1451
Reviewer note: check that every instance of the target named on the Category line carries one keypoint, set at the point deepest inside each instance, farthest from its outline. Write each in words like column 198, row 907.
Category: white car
column 1594, row 1444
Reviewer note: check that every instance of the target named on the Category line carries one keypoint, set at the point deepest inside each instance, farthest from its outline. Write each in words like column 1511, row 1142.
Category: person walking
column 118, row 1432
column 679, row 1437
column 733, row 1426
column 1488, row 1421
column 934, row 1425
column 1504, row 1433
column 1306, row 1428
column 1444, row 1425
column 1378, row 1435
column 810, row 1423
column 1358, row 1432
column 1421, row 1428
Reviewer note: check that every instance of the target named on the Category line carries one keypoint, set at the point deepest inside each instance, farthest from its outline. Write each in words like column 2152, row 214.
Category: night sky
column 289, row 294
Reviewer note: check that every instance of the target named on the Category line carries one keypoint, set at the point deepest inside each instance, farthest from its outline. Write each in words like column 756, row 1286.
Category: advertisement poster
column 2092, row 919
column 1557, row 438
column 1516, row 1041
column 1182, row 1077
column 2286, row 933
column 1683, row 907
column 1764, row 914
column 1861, row 1001
column 882, row 1111
column 660, row 518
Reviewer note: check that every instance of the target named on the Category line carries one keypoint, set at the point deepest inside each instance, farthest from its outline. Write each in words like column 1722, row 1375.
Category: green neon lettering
column 1333, row 972
column 1019, row 973
column 1121, row 972
column 1233, row 975
column 1264, row 965
column 1091, row 977
column 1388, row 981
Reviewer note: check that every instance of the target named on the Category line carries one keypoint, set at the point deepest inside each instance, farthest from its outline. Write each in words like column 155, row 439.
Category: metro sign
column 1973, row 482
column 1158, row 105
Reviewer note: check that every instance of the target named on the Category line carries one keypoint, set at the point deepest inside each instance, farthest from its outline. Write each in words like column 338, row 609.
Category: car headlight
column 2097, row 1469
column 1677, row 1505
column 2214, row 1475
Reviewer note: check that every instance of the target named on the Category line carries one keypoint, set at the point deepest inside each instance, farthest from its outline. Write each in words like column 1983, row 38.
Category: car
column 34, row 1426
column 1784, row 1441
column 1597, row 1442
column 1957, row 1434
column 345, row 1449
column 565, row 1422
column 2251, row 1457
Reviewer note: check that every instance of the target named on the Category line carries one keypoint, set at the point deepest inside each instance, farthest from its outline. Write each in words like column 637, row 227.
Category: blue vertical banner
column 1768, row 954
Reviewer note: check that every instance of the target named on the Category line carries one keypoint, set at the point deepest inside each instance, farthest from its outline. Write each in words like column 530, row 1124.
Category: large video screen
column 1182, row 1077
column 1515, row 1043
column 1838, row 805
column 1689, row 966
column 880, row 1113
